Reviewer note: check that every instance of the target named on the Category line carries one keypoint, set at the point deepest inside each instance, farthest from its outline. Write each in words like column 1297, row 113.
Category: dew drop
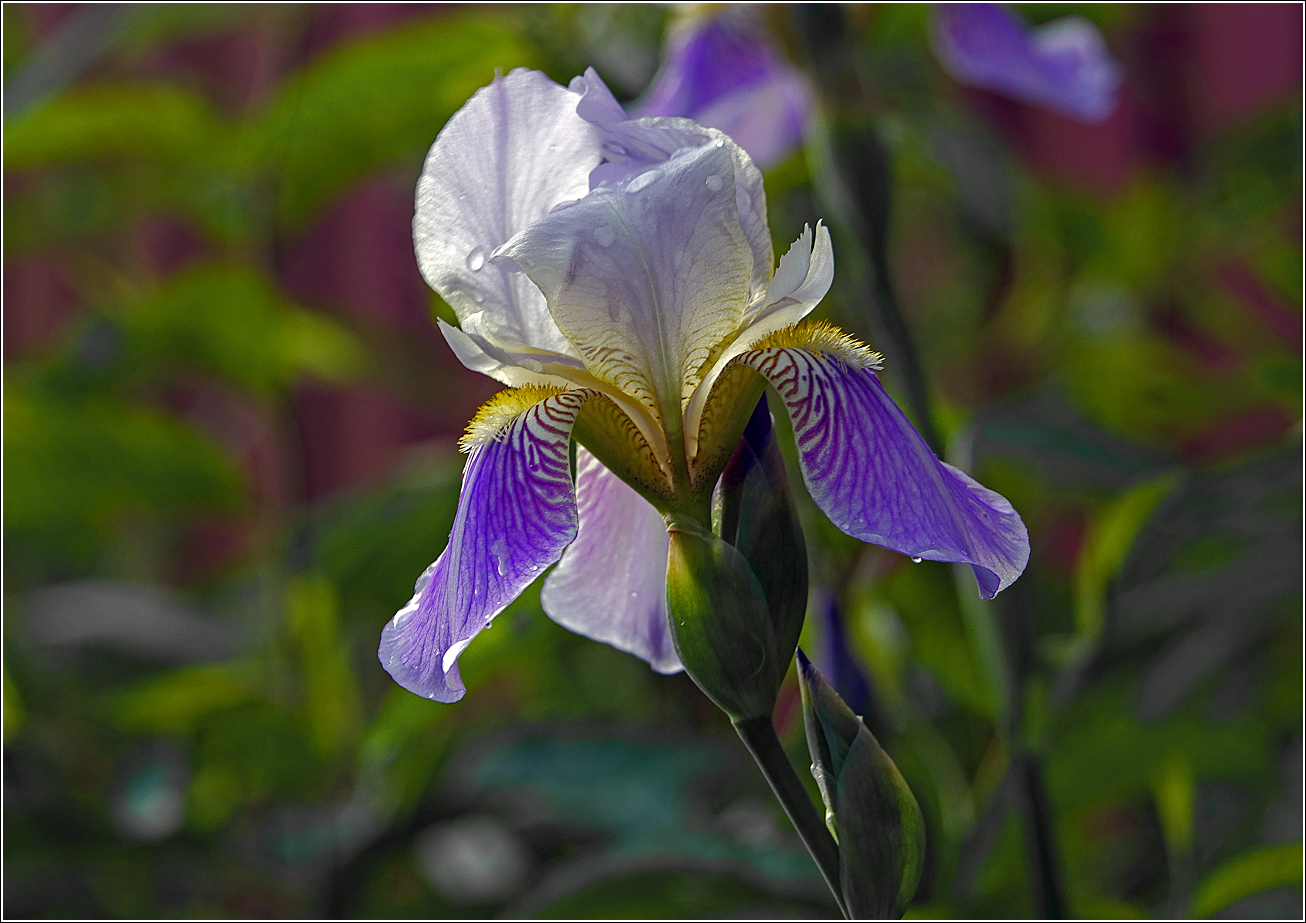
column 915, row 560
column 499, row 550
column 476, row 259
column 604, row 235
column 714, row 182
column 642, row 181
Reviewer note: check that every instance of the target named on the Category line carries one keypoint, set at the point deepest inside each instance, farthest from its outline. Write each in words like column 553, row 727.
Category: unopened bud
column 755, row 512
column 720, row 624
column 869, row 807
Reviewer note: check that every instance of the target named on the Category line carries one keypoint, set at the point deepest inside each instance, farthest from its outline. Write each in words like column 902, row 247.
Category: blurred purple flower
column 835, row 657
column 1063, row 66
column 722, row 71
column 617, row 274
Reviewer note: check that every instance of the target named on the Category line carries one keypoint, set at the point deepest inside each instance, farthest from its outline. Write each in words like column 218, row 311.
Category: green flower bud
column 869, row 808
column 755, row 512
column 720, row 624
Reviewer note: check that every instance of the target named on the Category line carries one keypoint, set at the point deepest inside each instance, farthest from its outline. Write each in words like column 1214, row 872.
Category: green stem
column 758, row 735
column 1049, row 889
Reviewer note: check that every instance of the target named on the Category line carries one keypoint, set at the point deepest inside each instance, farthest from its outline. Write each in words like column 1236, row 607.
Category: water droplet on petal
column 642, row 181
column 604, row 235
column 714, row 182
column 916, row 560
column 476, row 259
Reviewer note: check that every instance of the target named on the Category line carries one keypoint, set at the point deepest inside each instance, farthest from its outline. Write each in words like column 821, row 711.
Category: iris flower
column 1063, row 66
column 721, row 69
column 617, row 274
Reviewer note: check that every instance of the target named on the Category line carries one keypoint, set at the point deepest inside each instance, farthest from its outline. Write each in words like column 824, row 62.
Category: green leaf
column 1110, row 537
column 71, row 468
column 178, row 701
column 1251, row 873
column 373, row 102
column 233, row 321
column 332, row 701
column 158, row 123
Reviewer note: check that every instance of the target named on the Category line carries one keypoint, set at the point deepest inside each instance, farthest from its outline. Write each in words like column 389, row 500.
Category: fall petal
column 611, row 582
column 516, row 514
column 875, row 478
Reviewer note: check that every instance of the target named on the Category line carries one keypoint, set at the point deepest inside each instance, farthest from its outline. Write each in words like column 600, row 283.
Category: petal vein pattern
column 648, row 281
column 611, row 582
column 876, row 479
column 516, row 514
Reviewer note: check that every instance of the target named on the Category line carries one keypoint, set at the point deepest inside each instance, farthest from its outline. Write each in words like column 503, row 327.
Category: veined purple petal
column 877, row 480
column 633, row 146
column 1063, row 66
column 721, row 71
column 513, row 152
column 611, row 584
column 648, row 279
column 516, row 514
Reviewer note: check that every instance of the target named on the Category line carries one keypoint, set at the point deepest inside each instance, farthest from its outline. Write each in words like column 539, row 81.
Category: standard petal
column 1063, row 66
column 877, row 480
column 611, row 582
column 631, row 146
column 649, row 280
column 516, row 150
column 516, row 514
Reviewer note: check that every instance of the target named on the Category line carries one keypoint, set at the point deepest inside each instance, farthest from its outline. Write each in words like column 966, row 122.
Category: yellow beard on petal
column 822, row 339
column 496, row 413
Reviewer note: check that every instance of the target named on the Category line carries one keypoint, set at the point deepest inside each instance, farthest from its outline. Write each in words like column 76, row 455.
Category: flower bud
column 720, row 624
column 754, row 511
column 869, row 808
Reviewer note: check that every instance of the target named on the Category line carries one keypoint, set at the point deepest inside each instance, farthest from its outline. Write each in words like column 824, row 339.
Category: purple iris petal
column 634, row 146
column 721, row 71
column 516, row 514
column 876, row 479
column 611, row 582
column 646, row 279
column 513, row 152
column 1063, row 66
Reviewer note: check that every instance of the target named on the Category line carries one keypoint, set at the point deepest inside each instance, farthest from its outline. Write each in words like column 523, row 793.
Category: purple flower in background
column 722, row 71
column 617, row 275
column 835, row 655
column 1063, row 66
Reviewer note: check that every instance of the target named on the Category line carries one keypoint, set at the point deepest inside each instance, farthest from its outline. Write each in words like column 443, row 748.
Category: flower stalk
column 758, row 735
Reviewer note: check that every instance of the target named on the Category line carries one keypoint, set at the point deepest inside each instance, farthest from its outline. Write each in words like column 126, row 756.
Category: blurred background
column 229, row 450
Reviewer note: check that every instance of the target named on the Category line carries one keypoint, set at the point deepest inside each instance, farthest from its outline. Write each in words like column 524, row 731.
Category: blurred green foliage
column 1098, row 358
